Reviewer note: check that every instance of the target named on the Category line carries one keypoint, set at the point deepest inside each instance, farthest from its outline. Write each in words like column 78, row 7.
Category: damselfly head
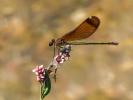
column 51, row 42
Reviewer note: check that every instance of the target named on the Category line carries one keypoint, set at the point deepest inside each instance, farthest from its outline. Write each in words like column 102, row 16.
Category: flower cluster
column 40, row 73
column 62, row 56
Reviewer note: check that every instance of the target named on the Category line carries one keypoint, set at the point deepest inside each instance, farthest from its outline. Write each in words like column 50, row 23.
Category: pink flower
column 61, row 58
column 40, row 78
column 40, row 73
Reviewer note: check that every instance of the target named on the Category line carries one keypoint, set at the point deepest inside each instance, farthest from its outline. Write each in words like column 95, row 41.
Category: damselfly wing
column 84, row 30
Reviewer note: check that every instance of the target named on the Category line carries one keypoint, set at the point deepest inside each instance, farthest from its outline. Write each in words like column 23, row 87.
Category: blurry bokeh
column 92, row 73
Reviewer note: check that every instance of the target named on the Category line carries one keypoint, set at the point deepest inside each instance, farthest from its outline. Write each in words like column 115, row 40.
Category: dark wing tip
column 95, row 21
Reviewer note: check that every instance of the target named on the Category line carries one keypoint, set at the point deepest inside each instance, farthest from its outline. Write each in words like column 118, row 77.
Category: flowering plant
column 43, row 73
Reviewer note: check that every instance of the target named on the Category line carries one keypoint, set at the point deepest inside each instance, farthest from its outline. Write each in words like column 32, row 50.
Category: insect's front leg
column 55, row 74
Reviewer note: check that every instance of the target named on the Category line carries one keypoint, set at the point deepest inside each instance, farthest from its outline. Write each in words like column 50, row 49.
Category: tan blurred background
column 92, row 73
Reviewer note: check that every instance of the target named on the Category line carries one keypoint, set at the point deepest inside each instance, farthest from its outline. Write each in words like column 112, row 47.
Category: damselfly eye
column 51, row 42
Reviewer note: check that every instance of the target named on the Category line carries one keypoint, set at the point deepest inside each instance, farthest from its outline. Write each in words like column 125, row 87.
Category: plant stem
column 41, row 92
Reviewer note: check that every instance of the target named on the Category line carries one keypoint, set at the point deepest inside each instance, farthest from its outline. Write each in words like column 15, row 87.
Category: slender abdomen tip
column 115, row 43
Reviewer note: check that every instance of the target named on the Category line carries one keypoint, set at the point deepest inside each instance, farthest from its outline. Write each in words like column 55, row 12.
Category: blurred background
column 92, row 72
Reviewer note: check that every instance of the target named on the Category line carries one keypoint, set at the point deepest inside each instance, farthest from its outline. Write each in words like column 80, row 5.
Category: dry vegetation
column 92, row 73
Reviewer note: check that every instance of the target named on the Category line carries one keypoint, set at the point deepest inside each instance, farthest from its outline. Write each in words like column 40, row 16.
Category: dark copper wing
column 84, row 30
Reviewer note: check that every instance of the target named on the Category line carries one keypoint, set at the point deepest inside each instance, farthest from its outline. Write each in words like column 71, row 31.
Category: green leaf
column 46, row 86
